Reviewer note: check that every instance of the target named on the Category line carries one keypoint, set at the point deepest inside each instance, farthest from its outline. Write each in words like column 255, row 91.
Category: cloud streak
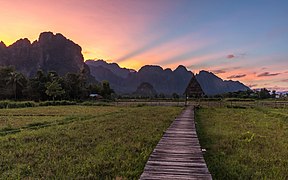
column 219, row 71
column 236, row 76
column 252, row 85
column 267, row 74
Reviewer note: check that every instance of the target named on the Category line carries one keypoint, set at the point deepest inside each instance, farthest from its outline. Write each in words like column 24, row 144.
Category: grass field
column 72, row 142
column 245, row 143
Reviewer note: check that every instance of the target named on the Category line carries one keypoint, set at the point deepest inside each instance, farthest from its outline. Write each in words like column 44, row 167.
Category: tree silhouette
column 264, row 93
column 175, row 96
column 37, row 86
column 54, row 89
column 16, row 79
column 106, row 90
column 273, row 94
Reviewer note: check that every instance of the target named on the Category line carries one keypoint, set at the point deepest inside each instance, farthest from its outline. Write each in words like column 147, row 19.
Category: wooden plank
column 178, row 154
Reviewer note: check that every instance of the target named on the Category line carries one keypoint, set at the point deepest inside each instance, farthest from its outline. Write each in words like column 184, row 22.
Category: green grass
column 72, row 142
column 244, row 143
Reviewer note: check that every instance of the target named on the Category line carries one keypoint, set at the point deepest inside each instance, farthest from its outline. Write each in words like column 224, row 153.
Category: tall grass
column 244, row 143
column 92, row 142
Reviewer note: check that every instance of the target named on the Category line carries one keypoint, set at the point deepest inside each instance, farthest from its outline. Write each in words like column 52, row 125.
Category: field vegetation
column 244, row 143
column 73, row 142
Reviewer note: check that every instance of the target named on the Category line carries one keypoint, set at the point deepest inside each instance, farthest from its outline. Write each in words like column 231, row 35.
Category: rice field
column 245, row 143
column 74, row 142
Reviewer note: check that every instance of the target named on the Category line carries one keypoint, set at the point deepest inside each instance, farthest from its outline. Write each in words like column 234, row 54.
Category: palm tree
column 54, row 89
column 15, row 79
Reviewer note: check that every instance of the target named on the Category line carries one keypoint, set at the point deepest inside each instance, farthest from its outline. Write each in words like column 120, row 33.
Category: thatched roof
column 194, row 89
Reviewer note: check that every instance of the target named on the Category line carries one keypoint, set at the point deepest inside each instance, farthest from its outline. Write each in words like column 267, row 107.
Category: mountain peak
column 113, row 67
column 181, row 68
column 212, row 84
column 208, row 74
column 204, row 72
column 151, row 68
column 45, row 36
column 57, row 39
column 168, row 70
column 21, row 43
column 2, row 45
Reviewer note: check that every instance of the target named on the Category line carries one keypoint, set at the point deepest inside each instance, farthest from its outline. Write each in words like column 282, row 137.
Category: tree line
column 49, row 86
column 262, row 93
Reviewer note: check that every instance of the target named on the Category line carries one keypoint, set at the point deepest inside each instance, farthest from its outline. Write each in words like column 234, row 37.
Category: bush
column 3, row 104
column 57, row 103
column 12, row 104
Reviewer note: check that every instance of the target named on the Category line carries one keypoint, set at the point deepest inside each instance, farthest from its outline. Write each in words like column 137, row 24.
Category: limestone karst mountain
column 54, row 52
column 164, row 81
column 51, row 52
column 145, row 90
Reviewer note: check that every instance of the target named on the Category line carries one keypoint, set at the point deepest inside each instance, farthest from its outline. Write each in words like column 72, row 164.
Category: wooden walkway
column 178, row 154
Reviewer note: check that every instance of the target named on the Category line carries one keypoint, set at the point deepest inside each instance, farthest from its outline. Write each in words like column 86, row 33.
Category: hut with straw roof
column 194, row 89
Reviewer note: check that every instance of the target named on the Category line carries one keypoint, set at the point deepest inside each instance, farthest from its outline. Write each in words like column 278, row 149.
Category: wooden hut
column 194, row 89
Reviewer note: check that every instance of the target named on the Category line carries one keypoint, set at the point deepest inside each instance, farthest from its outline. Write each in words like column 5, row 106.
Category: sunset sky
column 240, row 40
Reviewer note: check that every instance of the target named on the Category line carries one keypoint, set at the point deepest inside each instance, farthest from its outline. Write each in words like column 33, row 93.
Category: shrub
column 57, row 103
column 13, row 104
column 3, row 104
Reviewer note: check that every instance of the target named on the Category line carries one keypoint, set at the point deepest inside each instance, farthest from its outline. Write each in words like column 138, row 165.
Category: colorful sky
column 239, row 40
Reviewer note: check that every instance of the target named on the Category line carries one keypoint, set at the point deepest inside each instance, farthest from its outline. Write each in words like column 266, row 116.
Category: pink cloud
column 236, row 76
column 219, row 71
column 230, row 56
column 265, row 74
column 252, row 85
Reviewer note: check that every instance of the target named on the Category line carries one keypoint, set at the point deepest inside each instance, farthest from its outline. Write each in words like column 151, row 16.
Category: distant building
column 194, row 89
column 95, row 96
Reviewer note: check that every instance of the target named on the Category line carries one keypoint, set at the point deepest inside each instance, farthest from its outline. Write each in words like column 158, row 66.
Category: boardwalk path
column 178, row 154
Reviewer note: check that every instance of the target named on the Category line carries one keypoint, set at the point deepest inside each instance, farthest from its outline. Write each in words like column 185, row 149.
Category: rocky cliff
column 51, row 52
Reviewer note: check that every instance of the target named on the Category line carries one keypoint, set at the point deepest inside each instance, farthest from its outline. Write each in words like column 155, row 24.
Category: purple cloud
column 284, row 80
column 230, row 56
column 219, row 71
column 252, row 85
column 236, row 76
column 240, row 55
column 265, row 74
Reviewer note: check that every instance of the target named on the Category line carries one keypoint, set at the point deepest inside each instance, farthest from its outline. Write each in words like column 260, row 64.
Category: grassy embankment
column 80, row 141
column 245, row 143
